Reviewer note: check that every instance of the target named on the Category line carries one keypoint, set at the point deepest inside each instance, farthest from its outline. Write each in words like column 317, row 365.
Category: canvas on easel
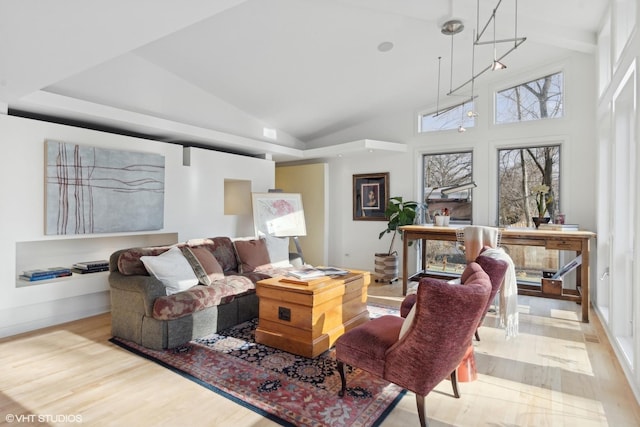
column 278, row 216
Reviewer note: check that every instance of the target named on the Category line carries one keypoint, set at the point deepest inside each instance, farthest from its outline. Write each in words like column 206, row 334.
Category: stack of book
column 91, row 266
column 45, row 274
column 559, row 227
column 306, row 273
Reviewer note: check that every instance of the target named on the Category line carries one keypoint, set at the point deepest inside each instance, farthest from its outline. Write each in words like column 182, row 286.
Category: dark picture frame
column 370, row 196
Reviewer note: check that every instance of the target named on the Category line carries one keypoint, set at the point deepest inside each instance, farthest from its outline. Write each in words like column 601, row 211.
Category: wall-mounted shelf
column 65, row 251
column 101, row 276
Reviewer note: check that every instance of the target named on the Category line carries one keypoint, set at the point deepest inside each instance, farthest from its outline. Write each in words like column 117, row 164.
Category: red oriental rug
column 288, row 389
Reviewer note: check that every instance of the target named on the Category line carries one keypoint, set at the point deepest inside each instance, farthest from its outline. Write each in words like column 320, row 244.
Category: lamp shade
column 456, row 188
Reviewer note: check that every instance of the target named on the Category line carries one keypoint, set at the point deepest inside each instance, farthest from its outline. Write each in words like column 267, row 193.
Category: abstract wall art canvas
column 97, row 190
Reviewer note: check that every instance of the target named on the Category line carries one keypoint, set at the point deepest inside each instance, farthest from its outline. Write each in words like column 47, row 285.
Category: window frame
column 423, row 186
column 524, row 145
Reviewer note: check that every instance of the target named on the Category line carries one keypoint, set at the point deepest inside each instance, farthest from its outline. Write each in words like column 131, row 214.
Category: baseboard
column 18, row 320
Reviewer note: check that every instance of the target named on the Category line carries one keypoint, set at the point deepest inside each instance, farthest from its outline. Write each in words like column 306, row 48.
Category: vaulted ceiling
column 217, row 73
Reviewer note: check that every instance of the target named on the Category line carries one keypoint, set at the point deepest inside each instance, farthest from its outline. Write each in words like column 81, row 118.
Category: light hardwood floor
column 557, row 372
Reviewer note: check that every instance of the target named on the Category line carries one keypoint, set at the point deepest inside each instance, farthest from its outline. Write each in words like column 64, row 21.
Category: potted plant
column 399, row 213
column 543, row 199
column 441, row 217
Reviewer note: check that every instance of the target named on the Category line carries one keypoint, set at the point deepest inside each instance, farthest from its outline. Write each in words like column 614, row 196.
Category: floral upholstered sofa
column 165, row 296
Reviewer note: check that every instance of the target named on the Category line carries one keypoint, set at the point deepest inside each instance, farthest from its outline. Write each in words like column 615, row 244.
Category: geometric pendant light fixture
column 496, row 63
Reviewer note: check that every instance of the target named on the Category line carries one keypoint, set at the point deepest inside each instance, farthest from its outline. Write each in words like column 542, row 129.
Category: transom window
column 534, row 100
column 455, row 117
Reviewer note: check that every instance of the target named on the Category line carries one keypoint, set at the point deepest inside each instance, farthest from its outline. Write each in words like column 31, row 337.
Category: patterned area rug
column 288, row 389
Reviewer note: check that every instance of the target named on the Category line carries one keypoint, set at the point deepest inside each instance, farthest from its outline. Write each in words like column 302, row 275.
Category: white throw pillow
column 172, row 269
column 278, row 248
column 408, row 321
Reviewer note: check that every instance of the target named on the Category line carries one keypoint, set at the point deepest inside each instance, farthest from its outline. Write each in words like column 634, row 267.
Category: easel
column 298, row 248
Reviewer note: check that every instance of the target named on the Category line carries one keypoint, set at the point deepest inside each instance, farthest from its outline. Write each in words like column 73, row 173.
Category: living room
column 197, row 178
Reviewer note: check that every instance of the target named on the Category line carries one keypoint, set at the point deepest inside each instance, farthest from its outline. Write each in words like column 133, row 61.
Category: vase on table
column 538, row 220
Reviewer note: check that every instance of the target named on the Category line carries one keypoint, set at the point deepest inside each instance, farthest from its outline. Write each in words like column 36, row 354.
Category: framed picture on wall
column 370, row 196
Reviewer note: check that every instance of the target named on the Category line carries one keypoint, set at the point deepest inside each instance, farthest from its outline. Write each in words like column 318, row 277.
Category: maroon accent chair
column 444, row 321
column 495, row 269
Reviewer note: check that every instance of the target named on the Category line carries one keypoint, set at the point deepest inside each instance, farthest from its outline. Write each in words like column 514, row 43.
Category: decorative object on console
column 441, row 218
column 98, row 190
column 538, row 221
column 543, row 199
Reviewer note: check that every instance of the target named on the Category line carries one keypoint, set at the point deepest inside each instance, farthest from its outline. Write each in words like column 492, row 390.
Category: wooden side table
column 307, row 319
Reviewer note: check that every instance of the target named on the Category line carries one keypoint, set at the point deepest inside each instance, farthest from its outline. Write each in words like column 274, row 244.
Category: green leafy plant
column 399, row 213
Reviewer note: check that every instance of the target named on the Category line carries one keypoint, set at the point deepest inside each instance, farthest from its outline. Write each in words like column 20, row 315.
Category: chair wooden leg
column 422, row 411
column 343, row 378
column 477, row 336
column 454, row 384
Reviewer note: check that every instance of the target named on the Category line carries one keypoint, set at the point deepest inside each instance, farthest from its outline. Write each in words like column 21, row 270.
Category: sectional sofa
column 164, row 296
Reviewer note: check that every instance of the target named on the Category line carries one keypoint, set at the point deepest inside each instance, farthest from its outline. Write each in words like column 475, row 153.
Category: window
column 604, row 55
column 447, row 170
column 520, row 170
column 439, row 172
column 534, row 100
column 625, row 21
column 454, row 117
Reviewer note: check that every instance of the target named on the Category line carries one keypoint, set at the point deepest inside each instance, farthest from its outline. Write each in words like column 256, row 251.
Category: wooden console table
column 307, row 319
column 578, row 241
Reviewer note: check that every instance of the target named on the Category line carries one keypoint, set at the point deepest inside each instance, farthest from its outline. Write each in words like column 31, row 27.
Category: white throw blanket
column 476, row 237
column 508, row 294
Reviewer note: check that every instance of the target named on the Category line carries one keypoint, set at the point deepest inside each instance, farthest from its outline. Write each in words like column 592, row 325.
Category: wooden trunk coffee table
column 306, row 319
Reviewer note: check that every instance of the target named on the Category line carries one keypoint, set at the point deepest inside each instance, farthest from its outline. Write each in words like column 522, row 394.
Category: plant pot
column 386, row 267
column 442, row 220
column 537, row 220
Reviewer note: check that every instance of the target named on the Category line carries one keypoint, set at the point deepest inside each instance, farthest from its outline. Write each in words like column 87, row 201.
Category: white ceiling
column 217, row 72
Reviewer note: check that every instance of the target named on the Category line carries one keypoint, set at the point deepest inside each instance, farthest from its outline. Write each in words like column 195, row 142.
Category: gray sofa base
column 161, row 334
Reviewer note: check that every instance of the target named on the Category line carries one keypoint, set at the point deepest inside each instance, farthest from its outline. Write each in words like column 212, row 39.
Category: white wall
column 193, row 209
column 353, row 243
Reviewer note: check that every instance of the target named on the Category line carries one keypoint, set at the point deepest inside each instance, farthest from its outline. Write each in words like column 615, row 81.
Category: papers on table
column 306, row 273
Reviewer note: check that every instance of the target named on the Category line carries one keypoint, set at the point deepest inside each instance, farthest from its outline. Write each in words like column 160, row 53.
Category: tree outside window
column 535, row 100
column 520, row 172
